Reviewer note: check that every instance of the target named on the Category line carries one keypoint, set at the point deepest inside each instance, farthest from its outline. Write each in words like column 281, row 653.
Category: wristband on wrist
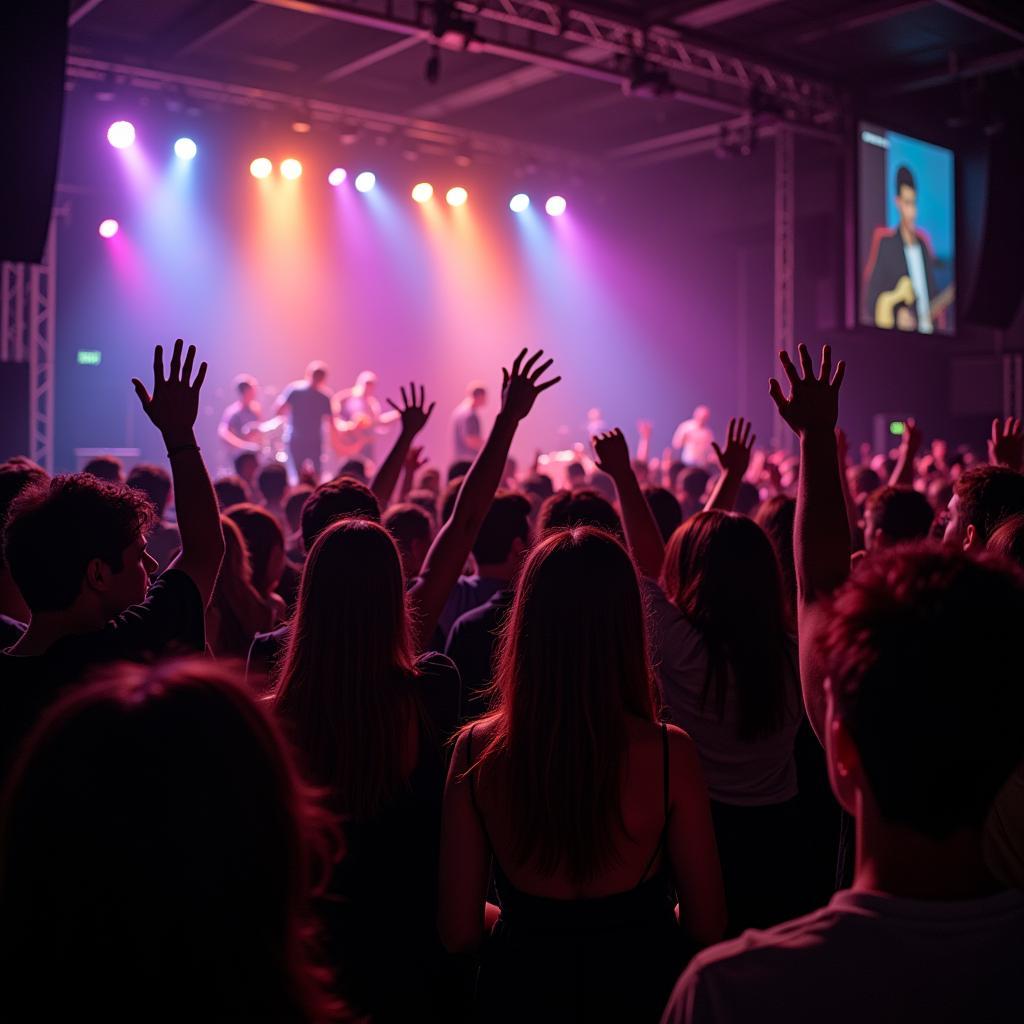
column 171, row 452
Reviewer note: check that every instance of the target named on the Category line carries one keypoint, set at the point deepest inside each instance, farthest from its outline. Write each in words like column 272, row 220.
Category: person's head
column 355, row 468
column 412, row 530
column 864, row 480
column 539, row 485
column 316, row 373
column 702, row 415
column 691, row 483
column 477, row 394
column 343, row 498
column 504, row 535
column 777, row 517
column 747, row 499
column 925, row 711
column 584, row 507
column 155, row 484
column 721, row 572
column 458, row 469
column 430, row 480
column 265, row 541
column 366, row 382
column 295, row 504
column 272, row 482
column 1007, row 539
column 78, row 542
column 106, row 467
column 343, row 683
column 246, row 386
column 559, row 724
column 983, row 497
column 160, row 855
column 246, row 464
column 665, row 508
column 15, row 475
column 906, row 197
column 231, row 490
column 426, row 500
column 575, row 475
column 895, row 515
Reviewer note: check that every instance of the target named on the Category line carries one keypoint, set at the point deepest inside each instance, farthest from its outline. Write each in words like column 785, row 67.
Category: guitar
column 903, row 295
column 350, row 438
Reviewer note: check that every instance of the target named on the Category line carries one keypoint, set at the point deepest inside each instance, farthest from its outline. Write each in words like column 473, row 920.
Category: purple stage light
column 337, row 176
column 555, row 206
column 109, row 228
column 121, row 134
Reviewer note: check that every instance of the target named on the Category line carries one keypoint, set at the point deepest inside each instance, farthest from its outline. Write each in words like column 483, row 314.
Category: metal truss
column 28, row 333
column 785, row 267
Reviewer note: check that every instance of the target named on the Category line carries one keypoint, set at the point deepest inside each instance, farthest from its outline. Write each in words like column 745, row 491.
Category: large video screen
column 906, row 233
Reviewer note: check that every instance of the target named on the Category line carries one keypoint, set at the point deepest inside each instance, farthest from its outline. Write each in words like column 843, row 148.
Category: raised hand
column 912, row 436
column 413, row 414
column 842, row 448
column 1006, row 445
column 612, row 453
column 519, row 388
column 738, row 445
column 414, row 461
column 813, row 404
column 174, row 404
column 644, row 429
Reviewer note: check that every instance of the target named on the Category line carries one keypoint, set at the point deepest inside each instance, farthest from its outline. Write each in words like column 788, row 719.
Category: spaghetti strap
column 663, row 838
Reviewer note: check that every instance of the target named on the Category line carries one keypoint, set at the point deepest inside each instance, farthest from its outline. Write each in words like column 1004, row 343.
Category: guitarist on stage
column 238, row 427
column 901, row 281
column 360, row 415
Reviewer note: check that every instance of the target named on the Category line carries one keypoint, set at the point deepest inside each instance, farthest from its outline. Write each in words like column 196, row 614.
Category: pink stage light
column 337, row 176
column 109, row 228
column 121, row 134
column 555, row 206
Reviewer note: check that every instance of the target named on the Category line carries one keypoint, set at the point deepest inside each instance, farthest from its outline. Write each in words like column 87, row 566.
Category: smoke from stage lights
column 291, row 169
column 555, row 206
column 108, row 228
column 423, row 192
column 456, row 196
column 365, row 181
column 121, row 134
column 185, row 149
column 260, row 167
column 337, row 176
column 519, row 203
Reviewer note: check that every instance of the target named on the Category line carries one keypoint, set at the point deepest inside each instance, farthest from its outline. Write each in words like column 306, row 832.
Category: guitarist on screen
column 900, row 278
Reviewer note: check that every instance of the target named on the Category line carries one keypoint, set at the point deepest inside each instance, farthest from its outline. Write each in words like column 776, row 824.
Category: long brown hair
column 722, row 573
column 573, row 664
column 344, row 684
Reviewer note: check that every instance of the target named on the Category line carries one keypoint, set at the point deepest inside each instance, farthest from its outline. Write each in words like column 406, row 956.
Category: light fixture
column 555, row 206
column 456, row 196
column 291, row 169
column 121, row 134
column 260, row 167
column 423, row 192
column 337, row 176
column 108, row 228
column 185, row 149
column 365, row 181
column 519, row 203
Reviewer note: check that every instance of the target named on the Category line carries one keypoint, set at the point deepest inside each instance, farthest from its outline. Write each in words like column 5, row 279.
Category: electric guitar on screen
column 903, row 295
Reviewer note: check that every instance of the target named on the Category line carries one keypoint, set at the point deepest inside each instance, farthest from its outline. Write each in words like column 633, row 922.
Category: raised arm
column 172, row 408
column 451, row 547
column 643, row 445
column 414, row 462
column 414, row 418
column 852, row 512
column 910, row 443
column 1006, row 445
column 735, row 461
column 821, row 537
column 642, row 533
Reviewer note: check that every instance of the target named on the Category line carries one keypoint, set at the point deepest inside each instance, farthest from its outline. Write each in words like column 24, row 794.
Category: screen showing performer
column 907, row 233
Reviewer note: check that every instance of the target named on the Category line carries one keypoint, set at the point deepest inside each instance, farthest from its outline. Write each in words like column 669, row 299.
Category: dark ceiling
column 537, row 87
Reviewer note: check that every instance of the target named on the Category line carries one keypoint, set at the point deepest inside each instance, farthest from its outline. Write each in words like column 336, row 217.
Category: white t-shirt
column 744, row 772
column 919, row 279
column 866, row 957
column 693, row 442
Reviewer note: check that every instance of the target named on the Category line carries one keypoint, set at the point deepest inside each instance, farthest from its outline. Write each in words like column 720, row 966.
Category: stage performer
column 693, row 438
column 239, row 425
column 467, row 432
column 361, row 417
column 307, row 404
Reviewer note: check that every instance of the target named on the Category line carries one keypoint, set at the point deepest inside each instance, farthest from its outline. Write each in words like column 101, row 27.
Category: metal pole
column 785, row 247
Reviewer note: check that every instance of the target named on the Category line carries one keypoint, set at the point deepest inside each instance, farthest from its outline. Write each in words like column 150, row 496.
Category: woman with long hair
column 593, row 815
column 265, row 541
column 159, row 855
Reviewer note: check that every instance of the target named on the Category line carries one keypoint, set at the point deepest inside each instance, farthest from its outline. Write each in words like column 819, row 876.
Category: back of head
column 579, row 508
column 265, row 540
column 692, row 482
column 425, row 500
column 356, row 469
column 575, row 475
column 748, row 498
column 152, row 883
column 987, row 496
column 316, row 373
column 349, row 656
column 539, row 485
column 231, row 490
column 48, row 560
column 246, row 464
column 665, row 508
column 154, row 482
column 343, row 498
column 894, row 515
column 106, row 467
column 412, row 530
column 722, row 573
column 507, row 520
column 272, row 481
column 572, row 664
column 15, row 475
column 1007, row 540
column 295, row 504
column 864, row 480
column 923, row 657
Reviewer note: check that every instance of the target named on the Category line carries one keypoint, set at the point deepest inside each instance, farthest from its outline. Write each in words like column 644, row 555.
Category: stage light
column 337, row 176
column 121, row 134
column 456, row 196
column 519, row 203
column 555, row 206
column 423, row 192
column 365, row 181
column 109, row 228
column 260, row 167
column 185, row 149
column 291, row 169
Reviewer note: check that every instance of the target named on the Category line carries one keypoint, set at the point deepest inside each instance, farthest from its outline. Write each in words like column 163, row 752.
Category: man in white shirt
column 924, row 722
column 693, row 438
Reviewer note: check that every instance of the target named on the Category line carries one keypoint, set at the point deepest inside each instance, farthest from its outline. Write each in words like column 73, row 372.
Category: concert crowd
column 729, row 734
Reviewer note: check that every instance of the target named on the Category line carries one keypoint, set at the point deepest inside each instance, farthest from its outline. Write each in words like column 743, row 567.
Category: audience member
column 231, row 490
column 426, row 500
column 246, row 466
column 106, row 467
column 691, row 485
column 272, row 484
column 895, row 515
column 983, row 498
column 584, row 507
column 412, row 530
column 264, row 540
column 775, row 517
column 15, row 475
column 293, row 507
column 163, row 540
column 665, row 509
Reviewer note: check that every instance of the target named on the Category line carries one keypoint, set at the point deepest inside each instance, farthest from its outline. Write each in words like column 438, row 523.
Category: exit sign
column 89, row 357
